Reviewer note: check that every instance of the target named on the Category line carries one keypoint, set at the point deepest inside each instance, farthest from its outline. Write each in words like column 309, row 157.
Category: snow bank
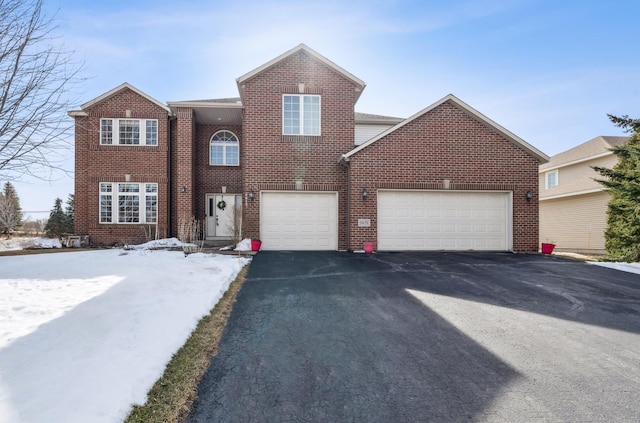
column 625, row 267
column 84, row 335
column 47, row 243
column 244, row 245
column 161, row 243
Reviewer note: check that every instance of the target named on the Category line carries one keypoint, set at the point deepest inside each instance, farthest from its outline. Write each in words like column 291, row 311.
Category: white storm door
column 299, row 220
column 441, row 220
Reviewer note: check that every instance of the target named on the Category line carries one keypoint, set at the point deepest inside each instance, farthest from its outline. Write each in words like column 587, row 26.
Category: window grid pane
column 291, row 115
column 311, row 115
column 232, row 155
column 105, row 209
column 128, row 187
column 128, row 208
column 152, row 132
column 129, row 132
column 106, row 131
column 551, row 180
column 151, row 210
column 216, row 155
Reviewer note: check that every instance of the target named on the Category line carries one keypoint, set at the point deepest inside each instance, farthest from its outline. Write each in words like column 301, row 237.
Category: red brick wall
column 445, row 143
column 95, row 163
column 273, row 161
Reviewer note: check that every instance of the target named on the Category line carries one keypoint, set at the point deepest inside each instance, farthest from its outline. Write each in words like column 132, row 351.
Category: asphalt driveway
column 443, row 337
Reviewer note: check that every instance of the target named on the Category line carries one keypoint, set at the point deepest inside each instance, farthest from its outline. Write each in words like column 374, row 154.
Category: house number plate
column 364, row 223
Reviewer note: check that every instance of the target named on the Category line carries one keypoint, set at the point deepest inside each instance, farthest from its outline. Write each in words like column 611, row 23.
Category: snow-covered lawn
column 84, row 335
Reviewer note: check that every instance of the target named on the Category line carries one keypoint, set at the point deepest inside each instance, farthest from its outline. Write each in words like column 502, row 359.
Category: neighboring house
column 573, row 206
column 290, row 162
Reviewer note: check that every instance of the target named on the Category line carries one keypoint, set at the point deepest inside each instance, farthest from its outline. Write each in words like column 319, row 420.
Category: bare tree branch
column 36, row 76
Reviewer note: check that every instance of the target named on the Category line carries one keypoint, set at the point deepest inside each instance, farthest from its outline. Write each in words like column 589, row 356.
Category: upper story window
column 129, row 131
column 224, row 149
column 551, row 179
column 128, row 203
column 300, row 114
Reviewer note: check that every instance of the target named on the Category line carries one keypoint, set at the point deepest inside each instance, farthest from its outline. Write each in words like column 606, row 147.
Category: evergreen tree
column 57, row 224
column 10, row 210
column 68, row 211
column 622, row 236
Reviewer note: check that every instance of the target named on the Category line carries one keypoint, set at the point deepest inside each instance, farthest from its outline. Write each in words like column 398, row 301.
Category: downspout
column 345, row 162
column 172, row 118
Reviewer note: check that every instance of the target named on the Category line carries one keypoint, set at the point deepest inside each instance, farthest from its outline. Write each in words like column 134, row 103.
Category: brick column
column 183, row 182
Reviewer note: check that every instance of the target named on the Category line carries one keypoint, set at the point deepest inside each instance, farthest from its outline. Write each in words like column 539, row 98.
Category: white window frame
column 112, row 194
column 302, row 113
column 112, row 137
column 225, row 144
column 546, row 179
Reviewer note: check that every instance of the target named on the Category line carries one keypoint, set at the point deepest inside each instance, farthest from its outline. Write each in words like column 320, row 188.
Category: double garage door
column 407, row 220
column 299, row 220
column 444, row 220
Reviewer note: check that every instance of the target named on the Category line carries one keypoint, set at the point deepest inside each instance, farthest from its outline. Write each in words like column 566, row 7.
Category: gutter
column 344, row 162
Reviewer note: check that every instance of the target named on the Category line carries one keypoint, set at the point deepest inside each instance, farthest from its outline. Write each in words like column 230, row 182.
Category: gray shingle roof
column 594, row 147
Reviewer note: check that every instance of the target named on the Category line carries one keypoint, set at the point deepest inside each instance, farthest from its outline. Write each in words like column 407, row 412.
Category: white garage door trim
column 299, row 220
column 425, row 220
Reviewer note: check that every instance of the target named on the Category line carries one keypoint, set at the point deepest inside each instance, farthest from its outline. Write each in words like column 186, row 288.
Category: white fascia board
column 205, row 104
column 572, row 194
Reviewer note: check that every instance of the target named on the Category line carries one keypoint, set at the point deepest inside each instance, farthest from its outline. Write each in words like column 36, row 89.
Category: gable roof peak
column 473, row 113
column 302, row 47
column 114, row 91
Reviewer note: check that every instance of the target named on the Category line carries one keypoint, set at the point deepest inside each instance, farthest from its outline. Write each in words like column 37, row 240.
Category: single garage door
column 444, row 220
column 299, row 220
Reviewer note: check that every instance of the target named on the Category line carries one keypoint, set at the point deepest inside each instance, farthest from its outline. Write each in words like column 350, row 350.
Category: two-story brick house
column 290, row 162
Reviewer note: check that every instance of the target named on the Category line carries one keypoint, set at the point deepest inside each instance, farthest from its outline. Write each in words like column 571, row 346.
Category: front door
column 223, row 215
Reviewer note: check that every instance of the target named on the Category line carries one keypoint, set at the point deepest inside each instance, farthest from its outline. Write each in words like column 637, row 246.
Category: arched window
column 224, row 149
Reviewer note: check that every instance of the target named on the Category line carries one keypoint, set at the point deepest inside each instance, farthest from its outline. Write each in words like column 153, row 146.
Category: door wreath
column 221, row 204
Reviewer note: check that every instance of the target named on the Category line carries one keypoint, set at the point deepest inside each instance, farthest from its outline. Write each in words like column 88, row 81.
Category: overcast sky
column 548, row 71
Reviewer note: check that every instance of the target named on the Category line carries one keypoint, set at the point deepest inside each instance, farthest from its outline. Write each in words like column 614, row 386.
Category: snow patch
column 84, row 335
column 244, row 245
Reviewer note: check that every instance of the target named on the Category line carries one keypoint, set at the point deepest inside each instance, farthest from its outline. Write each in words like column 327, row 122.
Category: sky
column 548, row 71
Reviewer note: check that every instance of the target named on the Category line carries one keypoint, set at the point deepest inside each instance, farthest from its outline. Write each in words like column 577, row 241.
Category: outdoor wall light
column 364, row 194
column 183, row 189
column 529, row 195
column 251, row 195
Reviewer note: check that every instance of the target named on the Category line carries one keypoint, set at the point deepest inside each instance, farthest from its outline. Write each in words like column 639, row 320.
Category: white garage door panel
column 299, row 221
column 426, row 220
